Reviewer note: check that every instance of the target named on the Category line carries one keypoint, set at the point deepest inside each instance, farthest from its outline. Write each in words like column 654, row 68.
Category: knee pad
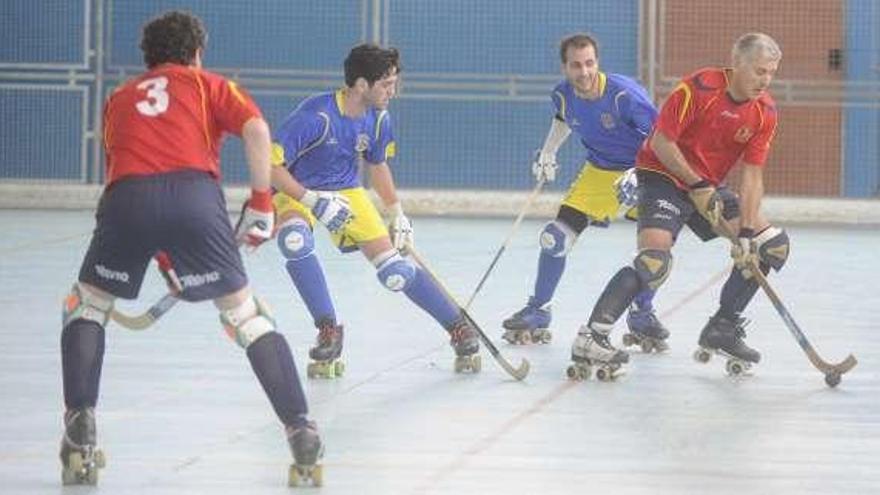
column 653, row 266
column 248, row 321
column 86, row 304
column 557, row 239
column 296, row 240
column 773, row 246
column 395, row 272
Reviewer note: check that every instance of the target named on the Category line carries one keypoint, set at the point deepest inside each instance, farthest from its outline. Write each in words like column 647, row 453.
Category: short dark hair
column 173, row 37
column 371, row 62
column 578, row 40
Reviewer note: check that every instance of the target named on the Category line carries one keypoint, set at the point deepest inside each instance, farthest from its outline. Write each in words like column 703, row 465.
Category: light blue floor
column 180, row 411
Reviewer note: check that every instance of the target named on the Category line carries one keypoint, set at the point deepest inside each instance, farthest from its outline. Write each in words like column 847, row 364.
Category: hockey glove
column 627, row 187
column 257, row 219
column 329, row 207
column 544, row 167
column 400, row 228
column 744, row 252
column 707, row 201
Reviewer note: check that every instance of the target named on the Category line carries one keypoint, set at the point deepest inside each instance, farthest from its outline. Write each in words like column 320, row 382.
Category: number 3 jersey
column 321, row 146
column 172, row 117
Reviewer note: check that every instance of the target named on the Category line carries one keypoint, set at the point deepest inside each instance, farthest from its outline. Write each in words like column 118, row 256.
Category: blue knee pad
column 396, row 273
column 296, row 240
column 557, row 239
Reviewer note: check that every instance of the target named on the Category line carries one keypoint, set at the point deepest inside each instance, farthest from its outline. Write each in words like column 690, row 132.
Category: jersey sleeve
column 759, row 146
column 383, row 146
column 678, row 111
column 232, row 106
column 638, row 112
column 296, row 135
column 558, row 100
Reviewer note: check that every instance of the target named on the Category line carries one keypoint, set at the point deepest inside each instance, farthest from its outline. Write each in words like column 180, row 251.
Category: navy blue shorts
column 181, row 213
column 662, row 205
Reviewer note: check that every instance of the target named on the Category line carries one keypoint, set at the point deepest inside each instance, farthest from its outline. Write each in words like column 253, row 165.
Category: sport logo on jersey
column 743, row 134
column 607, row 120
column 362, row 143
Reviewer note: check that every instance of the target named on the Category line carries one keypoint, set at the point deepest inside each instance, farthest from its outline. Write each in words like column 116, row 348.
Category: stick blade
column 521, row 372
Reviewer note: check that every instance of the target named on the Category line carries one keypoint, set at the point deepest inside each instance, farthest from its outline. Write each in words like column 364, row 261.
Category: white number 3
column 157, row 97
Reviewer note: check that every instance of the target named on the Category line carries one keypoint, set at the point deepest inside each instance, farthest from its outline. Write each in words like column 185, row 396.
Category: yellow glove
column 707, row 201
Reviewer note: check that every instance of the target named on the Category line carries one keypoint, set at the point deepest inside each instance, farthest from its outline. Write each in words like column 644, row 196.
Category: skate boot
column 529, row 325
column 592, row 348
column 645, row 331
column 308, row 450
column 80, row 458
column 725, row 337
column 463, row 339
column 325, row 354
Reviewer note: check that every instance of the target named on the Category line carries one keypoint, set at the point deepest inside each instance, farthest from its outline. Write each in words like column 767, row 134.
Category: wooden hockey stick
column 832, row 371
column 154, row 312
column 518, row 373
column 513, row 229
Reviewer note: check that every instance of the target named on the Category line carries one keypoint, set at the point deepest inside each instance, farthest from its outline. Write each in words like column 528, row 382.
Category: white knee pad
column 248, row 321
column 86, row 304
column 394, row 271
column 557, row 239
column 296, row 240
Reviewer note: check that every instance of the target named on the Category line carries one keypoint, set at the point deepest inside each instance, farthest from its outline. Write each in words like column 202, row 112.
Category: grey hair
column 750, row 45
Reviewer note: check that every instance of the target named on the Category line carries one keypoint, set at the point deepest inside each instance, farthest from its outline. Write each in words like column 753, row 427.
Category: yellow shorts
column 367, row 225
column 593, row 194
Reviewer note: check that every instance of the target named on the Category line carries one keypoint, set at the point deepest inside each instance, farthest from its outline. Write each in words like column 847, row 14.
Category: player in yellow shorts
column 612, row 115
column 317, row 151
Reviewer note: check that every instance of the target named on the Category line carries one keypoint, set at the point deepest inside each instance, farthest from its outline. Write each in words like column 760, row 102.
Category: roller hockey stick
column 145, row 320
column 518, row 373
column 833, row 372
column 513, row 229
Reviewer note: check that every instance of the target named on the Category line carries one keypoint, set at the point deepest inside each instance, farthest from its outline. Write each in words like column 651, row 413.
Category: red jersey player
column 162, row 136
column 714, row 119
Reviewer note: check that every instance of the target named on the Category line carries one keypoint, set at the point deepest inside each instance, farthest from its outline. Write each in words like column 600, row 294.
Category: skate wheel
column 339, row 368
column 577, row 373
column 476, row 363
column 525, row 337
column 647, row 346
column 603, row 374
column 702, row 356
column 100, row 460
column 311, row 372
column 628, row 340
column 832, row 379
column 68, row 476
column 734, row 368
column 546, row 337
column 91, row 477
column 293, row 476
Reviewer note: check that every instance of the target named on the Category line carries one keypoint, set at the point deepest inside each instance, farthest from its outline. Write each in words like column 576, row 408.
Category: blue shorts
column 662, row 205
column 181, row 213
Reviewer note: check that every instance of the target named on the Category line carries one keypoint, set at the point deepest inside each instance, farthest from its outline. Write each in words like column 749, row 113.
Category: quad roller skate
column 308, row 450
column 645, row 331
column 466, row 344
column 325, row 354
column 528, row 325
column 80, row 458
column 725, row 338
column 592, row 349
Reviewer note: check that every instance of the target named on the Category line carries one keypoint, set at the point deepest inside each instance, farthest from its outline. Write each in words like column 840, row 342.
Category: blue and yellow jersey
column 611, row 127
column 321, row 146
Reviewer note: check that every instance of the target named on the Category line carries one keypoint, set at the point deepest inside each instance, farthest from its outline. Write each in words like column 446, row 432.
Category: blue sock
column 645, row 300
column 737, row 292
column 425, row 293
column 308, row 277
column 550, row 270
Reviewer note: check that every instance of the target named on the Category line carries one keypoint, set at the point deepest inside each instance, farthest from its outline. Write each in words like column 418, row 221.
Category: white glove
column 544, row 167
column 400, row 227
column 257, row 219
column 627, row 187
column 329, row 207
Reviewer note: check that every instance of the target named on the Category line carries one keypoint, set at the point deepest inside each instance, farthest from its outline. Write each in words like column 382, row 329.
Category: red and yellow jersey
column 171, row 118
column 712, row 130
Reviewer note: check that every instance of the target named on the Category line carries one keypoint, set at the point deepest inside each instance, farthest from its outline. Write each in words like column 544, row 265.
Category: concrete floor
column 180, row 411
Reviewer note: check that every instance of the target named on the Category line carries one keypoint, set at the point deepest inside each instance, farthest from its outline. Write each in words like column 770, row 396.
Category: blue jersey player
column 317, row 153
column 611, row 114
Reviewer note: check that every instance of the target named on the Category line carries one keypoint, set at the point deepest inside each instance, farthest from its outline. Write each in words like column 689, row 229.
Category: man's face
column 581, row 68
column 752, row 75
column 379, row 95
